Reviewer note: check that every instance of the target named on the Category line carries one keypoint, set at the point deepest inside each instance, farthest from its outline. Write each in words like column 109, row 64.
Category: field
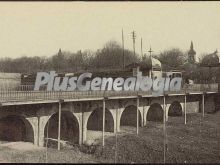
column 196, row 142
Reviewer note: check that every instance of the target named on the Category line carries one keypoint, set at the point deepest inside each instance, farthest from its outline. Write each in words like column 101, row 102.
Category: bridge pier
column 141, row 110
column 167, row 106
column 34, row 122
column 85, row 117
column 42, row 123
column 114, row 115
column 120, row 111
column 145, row 108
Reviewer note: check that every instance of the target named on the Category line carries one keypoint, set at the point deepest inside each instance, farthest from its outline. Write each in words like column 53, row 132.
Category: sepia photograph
column 110, row 82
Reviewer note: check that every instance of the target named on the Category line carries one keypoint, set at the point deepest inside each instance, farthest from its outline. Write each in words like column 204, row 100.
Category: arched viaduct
column 34, row 122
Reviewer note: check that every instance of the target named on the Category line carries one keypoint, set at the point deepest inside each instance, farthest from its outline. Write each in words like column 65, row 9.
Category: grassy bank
column 196, row 142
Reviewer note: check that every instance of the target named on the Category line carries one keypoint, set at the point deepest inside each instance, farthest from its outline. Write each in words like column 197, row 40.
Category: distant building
column 191, row 54
column 9, row 81
column 211, row 59
column 190, row 65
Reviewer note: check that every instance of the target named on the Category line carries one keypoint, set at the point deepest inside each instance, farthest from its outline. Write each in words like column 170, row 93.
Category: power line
column 133, row 37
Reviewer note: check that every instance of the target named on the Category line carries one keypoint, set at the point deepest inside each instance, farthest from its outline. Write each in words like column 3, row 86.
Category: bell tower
column 191, row 54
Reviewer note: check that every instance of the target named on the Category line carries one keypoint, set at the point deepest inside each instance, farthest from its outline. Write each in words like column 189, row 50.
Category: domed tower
column 191, row 54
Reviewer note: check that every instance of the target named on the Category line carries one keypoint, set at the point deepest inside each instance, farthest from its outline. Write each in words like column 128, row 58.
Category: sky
column 41, row 28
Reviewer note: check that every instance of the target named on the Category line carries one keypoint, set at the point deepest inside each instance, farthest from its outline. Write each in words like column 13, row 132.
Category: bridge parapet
column 202, row 87
column 30, row 95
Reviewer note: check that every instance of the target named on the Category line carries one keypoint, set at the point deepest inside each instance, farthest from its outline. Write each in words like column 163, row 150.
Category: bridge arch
column 175, row 109
column 69, row 127
column 16, row 128
column 95, row 120
column 129, row 116
column 155, row 112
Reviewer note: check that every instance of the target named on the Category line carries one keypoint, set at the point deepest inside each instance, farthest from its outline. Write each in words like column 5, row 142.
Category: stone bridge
column 31, row 116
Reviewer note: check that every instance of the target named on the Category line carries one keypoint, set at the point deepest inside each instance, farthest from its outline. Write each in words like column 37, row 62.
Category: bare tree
column 173, row 57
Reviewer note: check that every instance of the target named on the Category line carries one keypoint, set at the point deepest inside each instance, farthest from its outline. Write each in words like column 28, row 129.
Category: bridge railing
column 202, row 87
column 31, row 95
column 194, row 87
column 54, row 95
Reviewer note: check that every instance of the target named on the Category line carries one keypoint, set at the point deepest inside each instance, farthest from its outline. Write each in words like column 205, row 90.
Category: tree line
column 110, row 56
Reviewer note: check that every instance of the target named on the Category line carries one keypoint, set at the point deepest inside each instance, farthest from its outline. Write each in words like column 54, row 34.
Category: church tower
column 191, row 54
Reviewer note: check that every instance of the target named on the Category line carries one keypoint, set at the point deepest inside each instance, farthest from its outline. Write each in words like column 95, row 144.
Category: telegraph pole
column 59, row 125
column 123, row 51
column 103, row 124
column 164, row 128
column 141, row 50
column 150, row 51
column 59, row 55
column 133, row 37
column 137, row 130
